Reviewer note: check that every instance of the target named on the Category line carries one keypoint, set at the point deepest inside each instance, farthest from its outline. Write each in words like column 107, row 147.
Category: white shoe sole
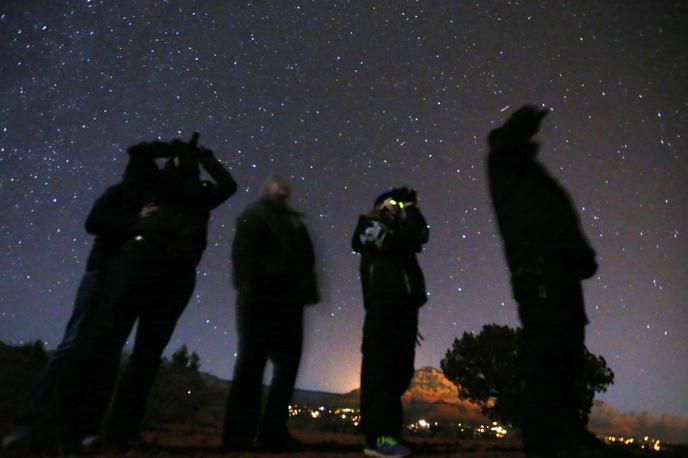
column 372, row 452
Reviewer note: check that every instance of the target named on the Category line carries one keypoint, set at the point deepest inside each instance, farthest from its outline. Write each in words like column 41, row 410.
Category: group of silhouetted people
column 150, row 232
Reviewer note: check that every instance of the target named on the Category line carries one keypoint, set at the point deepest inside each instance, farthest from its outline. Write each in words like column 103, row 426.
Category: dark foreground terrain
column 202, row 444
column 186, row 410
column 189, row 443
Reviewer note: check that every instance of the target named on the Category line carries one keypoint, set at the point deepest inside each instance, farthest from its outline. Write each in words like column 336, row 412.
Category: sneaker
column 387, row 447
column 92, row 443
column 16, row 438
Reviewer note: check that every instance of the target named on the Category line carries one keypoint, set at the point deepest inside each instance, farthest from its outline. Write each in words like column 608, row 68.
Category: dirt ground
column 185, row 443
column 317, row 444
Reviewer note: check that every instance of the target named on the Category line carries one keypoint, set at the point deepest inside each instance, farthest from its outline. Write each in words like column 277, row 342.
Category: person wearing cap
column 388, row 240
column 548, row 256
column 274, row 275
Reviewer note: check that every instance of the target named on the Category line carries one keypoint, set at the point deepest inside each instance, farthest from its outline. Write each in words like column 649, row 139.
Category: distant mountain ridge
column 430, row 396
column 429, row 385
column 433, row 397
column 305, row 397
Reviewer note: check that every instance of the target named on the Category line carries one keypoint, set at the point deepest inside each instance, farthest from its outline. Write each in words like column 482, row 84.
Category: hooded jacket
column 389, row 269
column 536, row 217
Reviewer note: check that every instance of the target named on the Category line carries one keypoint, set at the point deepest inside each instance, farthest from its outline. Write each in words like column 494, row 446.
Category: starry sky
column 348, row 98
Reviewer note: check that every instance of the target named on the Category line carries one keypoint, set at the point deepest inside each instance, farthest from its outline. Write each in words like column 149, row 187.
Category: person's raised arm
column 412, row 230
column 150, row 150
column 141, row 167
column 224, row 186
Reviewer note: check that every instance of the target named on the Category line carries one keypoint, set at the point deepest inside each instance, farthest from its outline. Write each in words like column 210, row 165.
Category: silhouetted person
column 548, row 256
column 110, row 220
column 274, row 275
column 388, row 240
column 150, row 280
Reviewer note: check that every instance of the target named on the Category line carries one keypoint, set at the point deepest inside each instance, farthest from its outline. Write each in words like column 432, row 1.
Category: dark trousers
column 550, row 365
column 389, row 345
column 88, row 295
column 273, row 332
column 143, row 283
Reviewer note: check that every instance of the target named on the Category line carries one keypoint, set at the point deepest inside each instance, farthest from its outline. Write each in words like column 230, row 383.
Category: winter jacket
column 116, row 212
column 536, row 217
column 389, row 269
column 272, row 255
column 179, row 226
column 111, row 219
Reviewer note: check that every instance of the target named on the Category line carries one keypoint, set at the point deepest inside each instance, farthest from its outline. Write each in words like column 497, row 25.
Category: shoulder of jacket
column 367, row 220
column 257, row 210
column 117, row 187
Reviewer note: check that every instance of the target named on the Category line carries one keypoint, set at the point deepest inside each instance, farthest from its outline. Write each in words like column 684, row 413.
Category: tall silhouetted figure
column 548, row 256
column 110, row 221
column 274, row 275
column 150, row 280
column 388, row 239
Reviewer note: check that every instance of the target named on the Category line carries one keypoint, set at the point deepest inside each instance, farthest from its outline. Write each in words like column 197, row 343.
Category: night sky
column 348, row 99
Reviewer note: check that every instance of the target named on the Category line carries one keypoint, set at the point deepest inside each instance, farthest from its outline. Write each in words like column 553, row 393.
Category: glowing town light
column 499, row 431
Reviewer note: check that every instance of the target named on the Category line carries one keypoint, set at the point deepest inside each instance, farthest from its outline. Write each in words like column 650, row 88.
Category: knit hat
column 384, row 196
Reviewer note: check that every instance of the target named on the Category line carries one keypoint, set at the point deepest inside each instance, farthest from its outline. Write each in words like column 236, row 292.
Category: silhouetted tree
column 483, row 366
column 185, row 361
column 179, row 393
column 597, row 377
